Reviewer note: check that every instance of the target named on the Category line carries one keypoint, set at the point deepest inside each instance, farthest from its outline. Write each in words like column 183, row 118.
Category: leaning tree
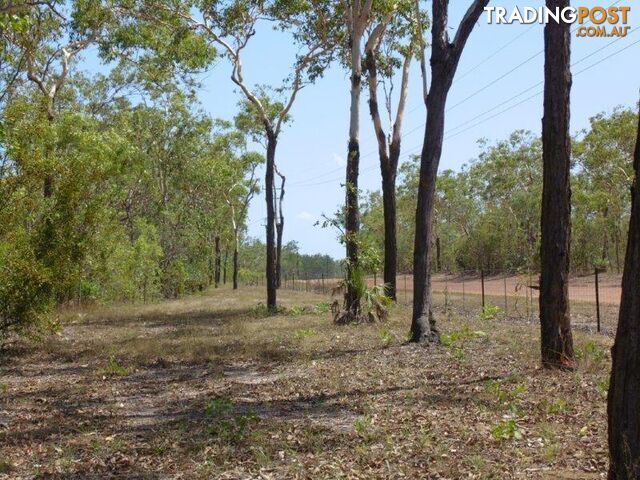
column 445, row 56
column 624, row 387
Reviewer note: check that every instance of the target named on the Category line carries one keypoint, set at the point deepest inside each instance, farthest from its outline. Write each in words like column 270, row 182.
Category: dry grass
column 208, row 387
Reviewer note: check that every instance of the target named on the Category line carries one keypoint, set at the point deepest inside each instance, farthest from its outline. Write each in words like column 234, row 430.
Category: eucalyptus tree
column 623, row 405
column 604, row 157
column 230, row 26
column 238, row 196
column 361, row 18
column 48, row 37
column 445, row 55
column 391, row 46
column 555, row 236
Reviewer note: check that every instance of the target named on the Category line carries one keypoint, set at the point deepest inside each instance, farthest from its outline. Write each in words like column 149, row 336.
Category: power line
column 450, row 133
column 303, row 183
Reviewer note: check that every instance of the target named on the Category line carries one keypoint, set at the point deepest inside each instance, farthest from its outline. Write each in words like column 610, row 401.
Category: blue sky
column 312, row 149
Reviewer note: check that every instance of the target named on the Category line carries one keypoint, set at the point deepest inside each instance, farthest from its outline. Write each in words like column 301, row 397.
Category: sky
column 486, row 100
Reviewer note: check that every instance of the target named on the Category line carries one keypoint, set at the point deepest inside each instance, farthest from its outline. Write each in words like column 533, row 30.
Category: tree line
column 487, row 214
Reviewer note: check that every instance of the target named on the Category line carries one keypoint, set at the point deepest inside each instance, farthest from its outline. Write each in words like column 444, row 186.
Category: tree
column 240, row 203
column 381, row 56
column 623, row 406
column 359, row 18
column 231, row 25
column 445, row 56
column 555, row 322
column 604, row 157
column 279, row 228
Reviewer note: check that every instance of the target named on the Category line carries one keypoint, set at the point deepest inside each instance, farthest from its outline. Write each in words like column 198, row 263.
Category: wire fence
column 594, row 299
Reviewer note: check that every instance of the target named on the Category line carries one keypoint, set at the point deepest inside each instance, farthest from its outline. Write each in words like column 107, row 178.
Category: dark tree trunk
column 216, row 270
column 279, row 231
column 235, row 267
column 423, row 328
column 445, row 56
column 623, row 406
column 555, row 323
column 270, row 230
column 389, row 158
column 390, row 222
column 224, row 266
column 352, row 228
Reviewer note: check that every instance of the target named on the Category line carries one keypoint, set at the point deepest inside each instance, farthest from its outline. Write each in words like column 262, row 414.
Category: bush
column 26, row 294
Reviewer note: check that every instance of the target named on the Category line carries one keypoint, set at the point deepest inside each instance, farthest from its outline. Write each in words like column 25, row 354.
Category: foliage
column 487, row 215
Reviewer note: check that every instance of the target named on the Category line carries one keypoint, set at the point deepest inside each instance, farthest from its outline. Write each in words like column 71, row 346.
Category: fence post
column 482, row 283
column 323, row 283
column 597, row 300
column 505, row 296
column 306, row 282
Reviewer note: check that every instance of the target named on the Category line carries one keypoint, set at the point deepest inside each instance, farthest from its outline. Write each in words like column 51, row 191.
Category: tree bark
column 352, row 211
column 445, row 56
column 389, row 157
column 224, row 265
column 271, row 252
column 423, row 328
column 279, row 230
column 216, row 270
column 623, row 405
column 389, row 174
column 555, row 322
column 235, row 266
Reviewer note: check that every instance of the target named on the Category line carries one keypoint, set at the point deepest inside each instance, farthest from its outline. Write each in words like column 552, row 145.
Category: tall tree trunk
column 555, row 322
column 224, row 265
column 216, row 272
column 389, row 155
column 445, row 56
column 271, row 251
column 390, row 223
column 438, row 258
column 623, row 406
column 423, row 327
column 352, row 211
column 235, row 266
column 279, row 230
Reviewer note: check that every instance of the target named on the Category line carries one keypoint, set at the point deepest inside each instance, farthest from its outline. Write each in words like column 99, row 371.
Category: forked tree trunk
column 271, row 251
column 555, row 322
column 279, row 231
column 445, row 56
column 216, row 272
column 389, row 155
column 623, row 406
